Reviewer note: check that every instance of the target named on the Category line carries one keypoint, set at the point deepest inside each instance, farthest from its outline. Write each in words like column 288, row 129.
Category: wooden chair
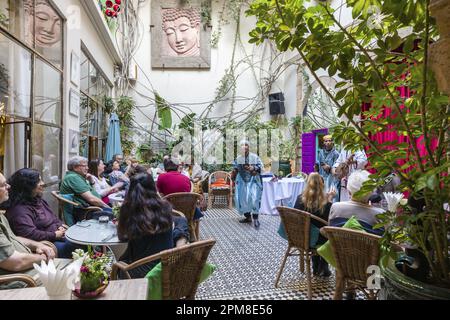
column 66, row 206
column 354, row 251
column 226, row 190
column 297, row 225
column 186, row 202
column 198, row 186
column 28, row 280
column 181, row 269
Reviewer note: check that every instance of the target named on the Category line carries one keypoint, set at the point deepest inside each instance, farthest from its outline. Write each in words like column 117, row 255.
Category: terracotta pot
column 440, row 9
column 439, row 55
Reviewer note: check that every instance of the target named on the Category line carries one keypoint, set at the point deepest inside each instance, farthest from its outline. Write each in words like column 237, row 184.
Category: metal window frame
column 30, row 122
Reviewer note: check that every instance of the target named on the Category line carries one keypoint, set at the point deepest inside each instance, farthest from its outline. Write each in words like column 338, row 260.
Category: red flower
column 119, row 2
column 84, row 269
column 116, row 8
column 109, row 3
column 109, row 13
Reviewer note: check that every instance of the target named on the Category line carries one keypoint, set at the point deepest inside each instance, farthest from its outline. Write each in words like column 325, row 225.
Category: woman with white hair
column 358, row 207
column 247, row 175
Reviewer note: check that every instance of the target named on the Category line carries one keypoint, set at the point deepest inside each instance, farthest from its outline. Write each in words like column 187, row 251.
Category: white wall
column 196, row 88
column 79, row 28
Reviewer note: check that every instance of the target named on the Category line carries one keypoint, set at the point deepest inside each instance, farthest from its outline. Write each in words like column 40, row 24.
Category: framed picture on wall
column 74, row 103
column 75, row 69
column 74, row 142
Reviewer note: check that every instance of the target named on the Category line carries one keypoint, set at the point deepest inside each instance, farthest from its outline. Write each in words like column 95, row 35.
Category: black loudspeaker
column 276, row 103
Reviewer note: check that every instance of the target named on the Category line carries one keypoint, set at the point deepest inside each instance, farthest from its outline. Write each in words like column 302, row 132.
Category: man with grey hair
column 76, row 182
column 358, row 206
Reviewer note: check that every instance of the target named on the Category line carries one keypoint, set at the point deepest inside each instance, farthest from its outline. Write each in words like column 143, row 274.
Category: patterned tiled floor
column 248, row 260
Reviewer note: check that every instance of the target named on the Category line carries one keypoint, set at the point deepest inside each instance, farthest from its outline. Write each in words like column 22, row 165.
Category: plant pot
column 284, row 166
column 440, row 63
column 397, row 286
column 440, row 9
column 90, row 295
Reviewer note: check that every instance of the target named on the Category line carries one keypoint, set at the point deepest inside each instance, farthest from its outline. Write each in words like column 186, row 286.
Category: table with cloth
column 283, row 192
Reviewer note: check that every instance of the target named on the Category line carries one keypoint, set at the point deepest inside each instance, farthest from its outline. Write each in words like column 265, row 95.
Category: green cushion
column 325, row 250
column 314, row 233
column 155, row 281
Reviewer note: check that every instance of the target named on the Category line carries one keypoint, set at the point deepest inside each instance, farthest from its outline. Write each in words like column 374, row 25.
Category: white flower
column 375, row 18
column 403, row 202
column 393, row 200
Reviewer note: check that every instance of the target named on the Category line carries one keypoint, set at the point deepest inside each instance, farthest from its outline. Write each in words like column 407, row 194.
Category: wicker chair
column 64, row 215
column 198, row 186
column 297, row 225
column 186, row 203
column 354, row 251
column 181, row 269
column 28, row 280
column 220, row 191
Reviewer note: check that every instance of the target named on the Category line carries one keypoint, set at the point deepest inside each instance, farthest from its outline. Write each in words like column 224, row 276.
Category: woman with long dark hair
column 146, row 222
column 314, row 200
column 29, row 214
column 95, row 170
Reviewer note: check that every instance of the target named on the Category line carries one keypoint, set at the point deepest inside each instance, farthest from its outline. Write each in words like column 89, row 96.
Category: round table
column 280, row 193
column 91, row 232
column 116, row 198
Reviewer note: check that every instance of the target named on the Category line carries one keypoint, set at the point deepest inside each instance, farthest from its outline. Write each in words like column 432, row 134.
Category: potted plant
column 392, row 106
column 145, row 152
column 286, row 154
column 94, row 273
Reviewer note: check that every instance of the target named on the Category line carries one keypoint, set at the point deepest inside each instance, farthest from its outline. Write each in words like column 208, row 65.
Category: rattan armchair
column 198, row 186
column 186, row 203
column 64, row 215
column 181, row 269
column 225, row 190
column 297, row 225
column 28, row 280
column 354, row 251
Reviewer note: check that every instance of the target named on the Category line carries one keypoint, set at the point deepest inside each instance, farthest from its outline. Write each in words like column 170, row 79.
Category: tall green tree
column 385, row 48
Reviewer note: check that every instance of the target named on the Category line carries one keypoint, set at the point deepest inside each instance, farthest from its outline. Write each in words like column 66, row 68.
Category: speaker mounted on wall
column 276, row 103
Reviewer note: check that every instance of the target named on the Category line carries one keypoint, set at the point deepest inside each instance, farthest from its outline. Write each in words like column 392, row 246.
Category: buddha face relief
column 45, row 28
column 48, row 25
column 182, row 29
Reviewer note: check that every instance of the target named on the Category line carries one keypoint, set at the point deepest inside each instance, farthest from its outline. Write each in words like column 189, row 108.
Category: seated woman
column 117, row 177
column 30, row 216
column 96, row 169
column 358, row 207
column 146, row 222
column 315, row 201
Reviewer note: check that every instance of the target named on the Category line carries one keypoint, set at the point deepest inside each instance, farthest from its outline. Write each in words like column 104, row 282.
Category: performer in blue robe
column 247, row 176
column 325, row 161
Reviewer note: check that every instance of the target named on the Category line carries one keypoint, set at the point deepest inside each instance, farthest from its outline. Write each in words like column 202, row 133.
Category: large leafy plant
column 384, row 49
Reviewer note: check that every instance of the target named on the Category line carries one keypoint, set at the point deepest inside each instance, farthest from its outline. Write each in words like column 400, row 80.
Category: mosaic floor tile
column 248, row 261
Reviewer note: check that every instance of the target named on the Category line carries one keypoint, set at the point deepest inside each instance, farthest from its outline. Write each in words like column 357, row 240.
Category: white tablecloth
column 281, row 193
column 116, row 198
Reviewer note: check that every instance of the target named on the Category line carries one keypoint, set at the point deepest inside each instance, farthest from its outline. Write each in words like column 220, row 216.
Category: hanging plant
column 164, row 113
